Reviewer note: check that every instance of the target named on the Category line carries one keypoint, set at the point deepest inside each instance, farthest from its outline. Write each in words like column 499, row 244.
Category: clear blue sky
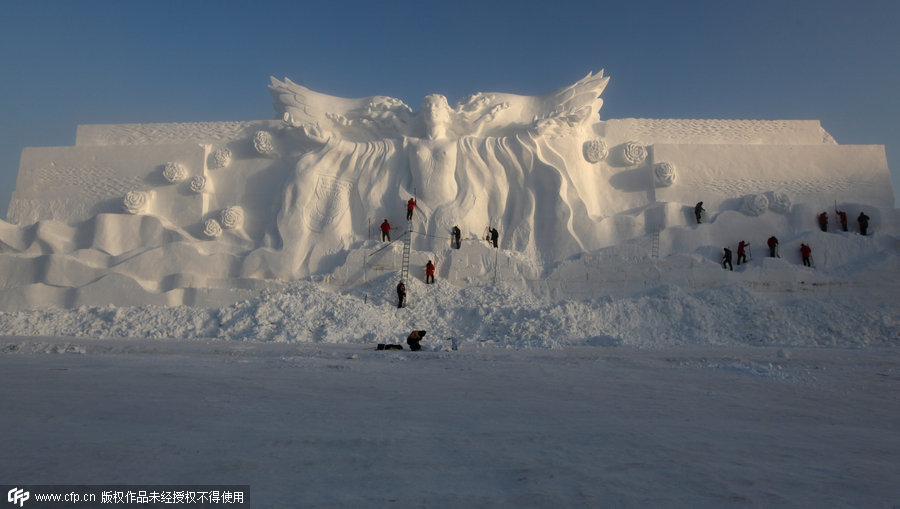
column 81, row 62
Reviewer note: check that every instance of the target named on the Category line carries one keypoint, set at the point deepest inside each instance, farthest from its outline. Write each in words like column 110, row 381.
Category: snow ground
column 342, row 425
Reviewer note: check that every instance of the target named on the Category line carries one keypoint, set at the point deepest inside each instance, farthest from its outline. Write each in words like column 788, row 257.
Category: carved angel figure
column 476, row 162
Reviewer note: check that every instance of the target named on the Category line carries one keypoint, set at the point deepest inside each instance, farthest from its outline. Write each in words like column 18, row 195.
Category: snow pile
column 500, row 315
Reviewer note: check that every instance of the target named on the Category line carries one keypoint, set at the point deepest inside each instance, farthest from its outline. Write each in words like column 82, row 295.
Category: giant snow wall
column 210, row 212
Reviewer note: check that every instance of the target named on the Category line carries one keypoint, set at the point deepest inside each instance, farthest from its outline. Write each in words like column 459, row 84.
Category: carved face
column 435, row 111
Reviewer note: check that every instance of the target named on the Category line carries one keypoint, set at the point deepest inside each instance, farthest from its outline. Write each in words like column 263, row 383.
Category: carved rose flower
column 755, row 204
column 221, row 157
column 198, row 183
column 135, row 201
column 635, row 153
column 262, row 142
column 780, row 202
column 231, row 217
column 211, row 228
column 595, row 150
column 664, row 174
column 174, row 172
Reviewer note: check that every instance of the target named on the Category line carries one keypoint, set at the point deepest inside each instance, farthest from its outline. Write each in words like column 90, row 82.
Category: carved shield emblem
column 332, row 200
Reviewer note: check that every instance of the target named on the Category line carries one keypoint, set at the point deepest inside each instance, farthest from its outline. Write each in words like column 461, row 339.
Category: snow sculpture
column 595, row 150
column 755, row 204
column 780, row 202
column 465, row 164
column 212, row 228
column 198, row 183
column 174, row 172
column 221, row 157
column 565, row 189
column 136, row 202
column 232, row 217
column 664, row 174
column 635, row 153
column 262, row 142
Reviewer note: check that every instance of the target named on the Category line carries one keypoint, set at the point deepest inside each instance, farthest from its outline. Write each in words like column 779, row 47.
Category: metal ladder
column 407, row 241
column 654, row 247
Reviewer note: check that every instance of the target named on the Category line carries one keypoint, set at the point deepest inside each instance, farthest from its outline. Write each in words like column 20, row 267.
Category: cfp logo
column 17, row 496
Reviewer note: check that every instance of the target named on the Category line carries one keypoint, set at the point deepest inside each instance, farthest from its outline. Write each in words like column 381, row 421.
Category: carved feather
column 358, row 119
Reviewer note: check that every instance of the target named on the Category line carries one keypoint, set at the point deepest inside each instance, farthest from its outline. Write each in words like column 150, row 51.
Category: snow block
column 816, row 174
column 71, row 184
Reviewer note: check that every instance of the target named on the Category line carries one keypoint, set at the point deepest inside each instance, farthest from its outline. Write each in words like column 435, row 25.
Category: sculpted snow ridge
column 161, row 134
column 262, row 203
column 719, row 131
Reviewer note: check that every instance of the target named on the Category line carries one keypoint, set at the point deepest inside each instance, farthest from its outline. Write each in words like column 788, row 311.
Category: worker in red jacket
column 742, row 251
column 805, row 252
column 401, row 293
column 385, row 231
column 843, row 215
column 823, row 221
column 410, row 205
column 429, row 272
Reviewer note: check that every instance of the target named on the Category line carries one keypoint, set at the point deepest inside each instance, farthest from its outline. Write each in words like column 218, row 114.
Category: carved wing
column 360, row 119
column 499, row 114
